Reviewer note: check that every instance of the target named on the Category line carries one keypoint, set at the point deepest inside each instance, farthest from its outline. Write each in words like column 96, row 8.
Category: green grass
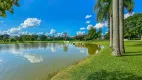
column 104, row 66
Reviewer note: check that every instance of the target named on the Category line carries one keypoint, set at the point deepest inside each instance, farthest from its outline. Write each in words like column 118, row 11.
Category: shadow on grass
column 137, row 53
column 136, row 45
column 132, row 55
column 104, row 75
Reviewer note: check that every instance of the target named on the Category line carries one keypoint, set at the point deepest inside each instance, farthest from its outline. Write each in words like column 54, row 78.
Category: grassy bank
column 103, row 66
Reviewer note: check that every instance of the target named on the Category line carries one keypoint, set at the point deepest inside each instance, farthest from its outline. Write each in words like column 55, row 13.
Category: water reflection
column 33, row 58
column 18, row 48
column 30, row 61
column 1, row 60
column 92, row 48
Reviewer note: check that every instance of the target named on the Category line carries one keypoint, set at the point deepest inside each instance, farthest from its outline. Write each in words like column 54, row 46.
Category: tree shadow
column 136, row 45
column 104, row 75
column 138, row 53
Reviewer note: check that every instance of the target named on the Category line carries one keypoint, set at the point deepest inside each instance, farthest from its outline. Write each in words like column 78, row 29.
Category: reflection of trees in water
column 65, row 47
column 92, row 48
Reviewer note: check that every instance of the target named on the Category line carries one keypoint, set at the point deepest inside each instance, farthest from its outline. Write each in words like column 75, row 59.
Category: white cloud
column 80, row 32
column 101, row 25
column 52, row 31
column 128, row 15
column 40, row 33
column 89, row 26
column 31, row 22
column 82, row 28
column 59, row 34
column 88, row 22
column 106, row 32
column 14, row 30
column 46, row 33
column 88, row 16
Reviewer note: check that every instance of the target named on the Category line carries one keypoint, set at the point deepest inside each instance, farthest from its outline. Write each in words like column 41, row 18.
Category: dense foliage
column 7, row 5
column 133, row 26
column 93, row 34
column 22, row 38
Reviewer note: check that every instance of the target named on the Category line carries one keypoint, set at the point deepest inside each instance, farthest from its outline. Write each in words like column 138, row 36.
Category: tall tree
column 116, row 46
column 7, row 5
column 121, row 25
column 104, row 12
column 129, row 6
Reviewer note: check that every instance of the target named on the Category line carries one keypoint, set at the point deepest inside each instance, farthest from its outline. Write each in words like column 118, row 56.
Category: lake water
column 33, row 61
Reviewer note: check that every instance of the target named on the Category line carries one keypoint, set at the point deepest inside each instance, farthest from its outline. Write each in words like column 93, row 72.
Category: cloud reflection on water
column 33, row 58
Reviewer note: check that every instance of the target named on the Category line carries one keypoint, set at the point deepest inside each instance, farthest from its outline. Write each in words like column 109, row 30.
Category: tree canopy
column 133, row 26
column 7, row 5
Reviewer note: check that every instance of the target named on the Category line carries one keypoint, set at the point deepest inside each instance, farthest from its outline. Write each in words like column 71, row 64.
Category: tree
column 92, row 34
column 65, row 35
column 43, row 37
column 129, row 6
column 6, row 37
column 116, row 47
column 7, row 5
column 104, row 12
column 121, row 25
column 132, row 26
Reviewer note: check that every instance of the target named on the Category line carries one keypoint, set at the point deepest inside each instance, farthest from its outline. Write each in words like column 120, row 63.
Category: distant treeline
column 92, row 35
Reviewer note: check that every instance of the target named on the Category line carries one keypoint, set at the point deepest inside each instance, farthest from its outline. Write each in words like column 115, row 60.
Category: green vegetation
column 132, row 27
column 7, row 5
column 103, row 66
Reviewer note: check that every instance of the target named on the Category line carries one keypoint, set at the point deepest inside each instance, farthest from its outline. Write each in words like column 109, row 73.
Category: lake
column 33, row 61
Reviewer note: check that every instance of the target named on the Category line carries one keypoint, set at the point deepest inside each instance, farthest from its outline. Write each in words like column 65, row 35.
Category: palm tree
column 104, row 12
column 121, row 25
column 116, row 47
column 129, row 6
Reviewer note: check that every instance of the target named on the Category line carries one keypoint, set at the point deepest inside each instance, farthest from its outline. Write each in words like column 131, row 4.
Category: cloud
column 89, row 26
column 59, row 34
column 80, row 32
column 52, row 31
column 88, row 22
column 101, row 25
column 47, row 33
column 14, row 31
column 128, row 15
column 88, row 16
column 40, row 33
column 31, row 22
column 82, row 28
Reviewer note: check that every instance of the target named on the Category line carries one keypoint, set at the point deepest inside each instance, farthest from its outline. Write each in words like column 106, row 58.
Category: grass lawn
column 103, row 66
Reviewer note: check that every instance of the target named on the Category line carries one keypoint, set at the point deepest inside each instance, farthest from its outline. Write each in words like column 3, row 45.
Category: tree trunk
column 121, row 25
column 141, row 37
column 116, row 47
column 111, row 31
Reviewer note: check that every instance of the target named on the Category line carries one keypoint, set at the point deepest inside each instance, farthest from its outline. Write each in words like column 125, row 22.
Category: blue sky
column 60, row 15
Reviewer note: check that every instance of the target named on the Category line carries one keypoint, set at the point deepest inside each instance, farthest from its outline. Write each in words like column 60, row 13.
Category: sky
column 50, row 16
